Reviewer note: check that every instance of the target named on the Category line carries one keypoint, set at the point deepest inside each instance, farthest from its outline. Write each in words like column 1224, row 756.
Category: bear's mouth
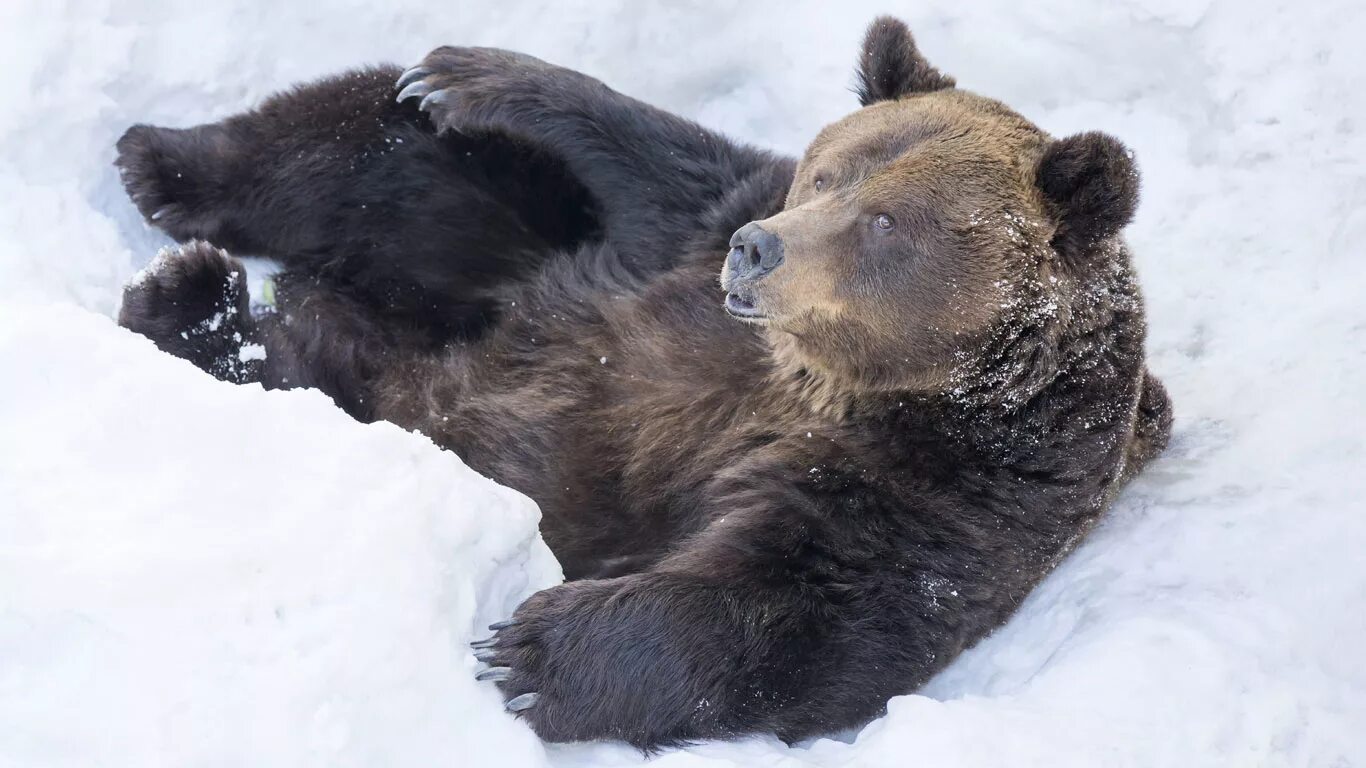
column 743, row 308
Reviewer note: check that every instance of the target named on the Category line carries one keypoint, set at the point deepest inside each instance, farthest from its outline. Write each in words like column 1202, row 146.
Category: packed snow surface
column 195, row 574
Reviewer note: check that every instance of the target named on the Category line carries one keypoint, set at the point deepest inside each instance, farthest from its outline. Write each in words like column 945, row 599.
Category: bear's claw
column 494, row 674
column 484, row 652
column 418, row 88
column 410, row 76
column 435, row 98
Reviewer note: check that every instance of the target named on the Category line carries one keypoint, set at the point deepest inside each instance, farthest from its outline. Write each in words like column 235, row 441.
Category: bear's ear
column 891, row 67
column 1091, row 184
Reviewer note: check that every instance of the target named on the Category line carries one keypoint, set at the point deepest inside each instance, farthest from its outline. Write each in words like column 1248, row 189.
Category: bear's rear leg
column 272, row 181
column 337, row 180
column 192, row 302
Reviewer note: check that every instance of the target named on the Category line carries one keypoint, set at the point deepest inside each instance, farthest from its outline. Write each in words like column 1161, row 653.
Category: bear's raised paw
column 192, row 302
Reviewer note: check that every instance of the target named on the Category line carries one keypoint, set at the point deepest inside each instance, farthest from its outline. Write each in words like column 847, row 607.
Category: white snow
column 193, row 573
column 250, row 352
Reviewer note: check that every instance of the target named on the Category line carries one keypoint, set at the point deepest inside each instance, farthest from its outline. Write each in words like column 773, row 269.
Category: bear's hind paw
column 160, row 170
column 192, row 302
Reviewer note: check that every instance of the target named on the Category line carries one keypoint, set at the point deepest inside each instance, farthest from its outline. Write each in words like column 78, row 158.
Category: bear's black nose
column 754, row 252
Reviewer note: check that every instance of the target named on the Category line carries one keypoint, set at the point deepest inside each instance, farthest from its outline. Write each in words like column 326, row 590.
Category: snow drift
column 193, row 573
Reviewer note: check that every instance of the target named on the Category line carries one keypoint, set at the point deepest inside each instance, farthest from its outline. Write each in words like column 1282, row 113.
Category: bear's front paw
column 192, row 302
column 465, row 88
column 526, row 652
column 610, row 659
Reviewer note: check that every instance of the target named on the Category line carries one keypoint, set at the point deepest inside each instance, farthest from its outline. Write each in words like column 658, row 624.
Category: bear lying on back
column 778, row 504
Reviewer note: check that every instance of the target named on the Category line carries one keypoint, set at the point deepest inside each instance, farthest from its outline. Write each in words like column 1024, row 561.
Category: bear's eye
column 883, row 221
column 820, row 184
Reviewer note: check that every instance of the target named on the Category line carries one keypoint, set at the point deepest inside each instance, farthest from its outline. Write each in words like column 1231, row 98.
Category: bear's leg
column 192, row 302
column 338, row 180
column 321, row 337
column 797, row 611
column 655, row 176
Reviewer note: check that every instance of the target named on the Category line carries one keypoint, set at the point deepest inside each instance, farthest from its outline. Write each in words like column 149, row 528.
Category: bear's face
column 890, row 258
column 916, row 223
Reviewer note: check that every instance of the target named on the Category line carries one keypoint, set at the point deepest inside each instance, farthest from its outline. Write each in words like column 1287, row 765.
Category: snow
column 193, row 573
column 202, row 574
column 251, row 352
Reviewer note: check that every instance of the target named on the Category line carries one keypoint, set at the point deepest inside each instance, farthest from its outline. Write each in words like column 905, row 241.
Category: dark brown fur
column 771, row 526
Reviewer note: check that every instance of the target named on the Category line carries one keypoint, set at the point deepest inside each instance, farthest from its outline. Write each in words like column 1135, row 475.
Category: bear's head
column 928, row 229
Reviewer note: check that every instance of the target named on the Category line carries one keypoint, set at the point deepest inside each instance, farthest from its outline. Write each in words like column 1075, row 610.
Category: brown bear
column 778, row 503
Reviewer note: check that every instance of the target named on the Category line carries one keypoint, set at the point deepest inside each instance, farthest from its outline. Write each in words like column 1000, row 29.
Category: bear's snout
column 754, row 252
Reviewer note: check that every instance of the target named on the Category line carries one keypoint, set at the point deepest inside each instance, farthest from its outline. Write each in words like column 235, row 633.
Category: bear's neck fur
column 1016, row 391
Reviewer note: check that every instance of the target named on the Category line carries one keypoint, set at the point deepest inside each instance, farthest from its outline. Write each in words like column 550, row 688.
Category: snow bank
column 196, row 574
column 193, row 573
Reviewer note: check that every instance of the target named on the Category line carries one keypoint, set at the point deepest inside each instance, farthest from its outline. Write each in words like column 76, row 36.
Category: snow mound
column 193, row 573
column 197, row 574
